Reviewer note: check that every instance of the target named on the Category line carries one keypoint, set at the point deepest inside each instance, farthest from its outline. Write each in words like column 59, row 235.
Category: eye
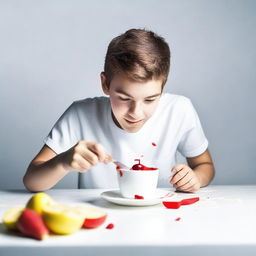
column 148, row 101
column 123, row 99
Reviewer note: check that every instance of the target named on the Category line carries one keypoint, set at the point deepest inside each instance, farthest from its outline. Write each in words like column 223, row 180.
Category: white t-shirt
column 174, row 127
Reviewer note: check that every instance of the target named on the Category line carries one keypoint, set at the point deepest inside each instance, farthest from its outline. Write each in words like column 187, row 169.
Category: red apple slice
column 31, row 224
column 94, row 217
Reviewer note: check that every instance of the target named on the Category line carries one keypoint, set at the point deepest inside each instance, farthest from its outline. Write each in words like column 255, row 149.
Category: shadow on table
column 20, row 191
column 4, row 230
column 99, row 202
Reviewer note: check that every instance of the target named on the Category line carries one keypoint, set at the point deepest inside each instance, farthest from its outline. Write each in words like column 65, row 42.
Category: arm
column 203, row 167
column 47, row 168
column 44, row 171
column 199, row 173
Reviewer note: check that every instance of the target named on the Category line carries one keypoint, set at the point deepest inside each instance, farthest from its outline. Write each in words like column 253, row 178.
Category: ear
column 104, row 83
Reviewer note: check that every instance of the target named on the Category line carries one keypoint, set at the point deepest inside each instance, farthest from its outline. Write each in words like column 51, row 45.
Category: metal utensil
column 121, row 165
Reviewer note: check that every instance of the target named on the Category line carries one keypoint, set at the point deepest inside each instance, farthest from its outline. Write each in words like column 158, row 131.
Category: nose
column 135, row 110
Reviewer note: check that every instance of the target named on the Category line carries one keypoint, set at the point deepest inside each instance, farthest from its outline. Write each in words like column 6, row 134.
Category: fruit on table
column 63, row 219
column 30, row 223
column 39, row 201
column 94, row 217
column 11, row 216
column 42, row 215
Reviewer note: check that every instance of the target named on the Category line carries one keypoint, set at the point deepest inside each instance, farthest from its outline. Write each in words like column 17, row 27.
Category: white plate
column 115, row 197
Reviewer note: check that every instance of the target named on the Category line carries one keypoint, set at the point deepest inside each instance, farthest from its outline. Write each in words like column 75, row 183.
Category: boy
column 136, row 119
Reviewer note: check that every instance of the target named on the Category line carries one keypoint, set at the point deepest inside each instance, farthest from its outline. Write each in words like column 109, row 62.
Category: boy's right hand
column 84, row 155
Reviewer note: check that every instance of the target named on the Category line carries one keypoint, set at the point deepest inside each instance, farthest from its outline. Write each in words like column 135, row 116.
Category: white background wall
column 51, row 53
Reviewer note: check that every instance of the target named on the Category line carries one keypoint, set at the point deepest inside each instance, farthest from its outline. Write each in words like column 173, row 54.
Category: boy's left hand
column 184, row 178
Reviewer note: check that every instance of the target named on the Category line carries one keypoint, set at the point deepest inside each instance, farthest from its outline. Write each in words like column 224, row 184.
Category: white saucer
column 115, row 197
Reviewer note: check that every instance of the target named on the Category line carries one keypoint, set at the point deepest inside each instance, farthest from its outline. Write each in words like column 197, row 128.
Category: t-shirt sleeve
column 63, row 134
column 193, row 142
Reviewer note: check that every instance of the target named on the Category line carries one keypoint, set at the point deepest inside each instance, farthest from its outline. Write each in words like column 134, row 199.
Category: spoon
column 119, row 164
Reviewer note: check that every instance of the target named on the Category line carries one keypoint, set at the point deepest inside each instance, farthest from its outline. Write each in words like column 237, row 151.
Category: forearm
column 43, row 176
column 205, row 173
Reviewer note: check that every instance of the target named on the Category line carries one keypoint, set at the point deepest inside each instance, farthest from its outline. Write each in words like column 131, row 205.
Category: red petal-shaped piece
column 189, row 201
column 171, row 205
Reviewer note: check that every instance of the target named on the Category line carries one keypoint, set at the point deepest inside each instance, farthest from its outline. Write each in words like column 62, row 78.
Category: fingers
column 107, row 159
column 184, row 178
column 178, row 167
column 90, row 157
column 93, row 152
column 99, row 151
column 80, row 164
column 189, row 186
column 84, row 155
column 179, row 171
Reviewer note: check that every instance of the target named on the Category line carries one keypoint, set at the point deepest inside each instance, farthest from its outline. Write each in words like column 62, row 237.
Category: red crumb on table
column 178, row 219
column 138, row 197
column 110, row 226
column 120, row 173
column 154, row 144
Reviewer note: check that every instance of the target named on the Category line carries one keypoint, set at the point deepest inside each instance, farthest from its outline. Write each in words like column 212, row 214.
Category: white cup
column 138, row 182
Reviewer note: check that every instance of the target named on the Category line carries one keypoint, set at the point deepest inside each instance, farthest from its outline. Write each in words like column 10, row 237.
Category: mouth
column 133, row 122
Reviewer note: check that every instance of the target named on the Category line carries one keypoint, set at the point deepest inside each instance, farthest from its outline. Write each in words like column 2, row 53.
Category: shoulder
column 91, row 102
column 86, row 108
column 90, row 105
column 91, row 109
column 177, row 108
column 175, row 101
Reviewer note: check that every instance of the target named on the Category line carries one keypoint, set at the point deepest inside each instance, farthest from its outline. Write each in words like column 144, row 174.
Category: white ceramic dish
column 139, row 182
column 114, row 196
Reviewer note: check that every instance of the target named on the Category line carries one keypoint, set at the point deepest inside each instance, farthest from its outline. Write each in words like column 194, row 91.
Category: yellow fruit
column 39, row 201
column 63, row 219
column 11, row 216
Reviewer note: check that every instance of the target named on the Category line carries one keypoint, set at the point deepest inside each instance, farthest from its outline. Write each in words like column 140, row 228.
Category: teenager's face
column 132, row 103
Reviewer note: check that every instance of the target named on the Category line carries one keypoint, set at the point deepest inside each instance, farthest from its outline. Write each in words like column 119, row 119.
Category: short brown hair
column 140, row 55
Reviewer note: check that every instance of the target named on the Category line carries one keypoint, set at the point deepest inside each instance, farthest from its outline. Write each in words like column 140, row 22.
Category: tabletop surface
column 224, row 217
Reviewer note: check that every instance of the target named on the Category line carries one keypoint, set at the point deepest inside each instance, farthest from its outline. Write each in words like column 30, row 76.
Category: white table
column 223, row 222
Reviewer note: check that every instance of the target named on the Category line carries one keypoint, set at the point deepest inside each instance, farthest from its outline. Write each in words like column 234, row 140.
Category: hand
column 84, row 155
column 184, row 178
